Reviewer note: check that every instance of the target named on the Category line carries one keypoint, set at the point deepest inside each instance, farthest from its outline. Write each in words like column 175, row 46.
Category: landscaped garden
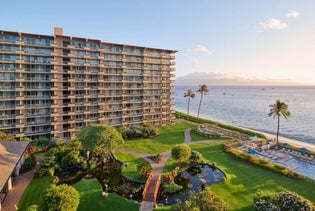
column 168, row 138
column 131, row 166
column 91, row 198
column 242, row 182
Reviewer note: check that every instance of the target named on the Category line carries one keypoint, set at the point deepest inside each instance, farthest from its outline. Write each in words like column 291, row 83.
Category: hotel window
column 9, row 38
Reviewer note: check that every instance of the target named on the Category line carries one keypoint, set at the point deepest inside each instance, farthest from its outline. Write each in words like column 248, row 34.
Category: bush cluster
column 143, row 131
column 229, row 127
column 62, row 157
column 282, row 201
column 172, row 187
column 28, row 164
column 44, row 144
column 206, row 135
column 259, row 162
column 202, row 201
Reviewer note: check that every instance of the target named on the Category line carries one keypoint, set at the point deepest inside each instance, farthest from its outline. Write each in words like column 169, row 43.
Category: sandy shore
column 292, row 142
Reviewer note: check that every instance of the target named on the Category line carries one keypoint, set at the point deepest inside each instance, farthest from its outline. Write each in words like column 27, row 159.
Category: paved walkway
column 187, row 136
column 19, row 185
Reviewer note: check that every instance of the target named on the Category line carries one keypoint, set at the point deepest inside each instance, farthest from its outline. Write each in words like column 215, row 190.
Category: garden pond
column 193, row 180
column 109, row 176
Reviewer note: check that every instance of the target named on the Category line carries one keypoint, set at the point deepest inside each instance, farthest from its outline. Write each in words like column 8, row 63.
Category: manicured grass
column 162, row 208
column 168, row 138
column 91, row 198
column 131, row 169
column 170, row 164
column 195, row 137
column 34, row 191
column 245, row 180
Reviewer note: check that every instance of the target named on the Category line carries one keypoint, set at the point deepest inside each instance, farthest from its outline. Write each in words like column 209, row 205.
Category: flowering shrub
column 283, row 201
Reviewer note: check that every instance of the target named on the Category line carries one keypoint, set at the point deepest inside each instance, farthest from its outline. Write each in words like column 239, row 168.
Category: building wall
column 52, row 86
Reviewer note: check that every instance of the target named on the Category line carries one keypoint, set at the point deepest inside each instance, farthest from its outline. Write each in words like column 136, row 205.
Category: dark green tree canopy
column 100, row 139
column 60, row 198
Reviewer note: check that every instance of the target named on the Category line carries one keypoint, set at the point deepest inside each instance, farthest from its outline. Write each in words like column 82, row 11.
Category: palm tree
column 202, row 90
column 279, row 109
column 190, row 94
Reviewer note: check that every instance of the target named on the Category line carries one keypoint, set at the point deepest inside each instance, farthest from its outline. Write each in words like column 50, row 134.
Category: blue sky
column 244, row 38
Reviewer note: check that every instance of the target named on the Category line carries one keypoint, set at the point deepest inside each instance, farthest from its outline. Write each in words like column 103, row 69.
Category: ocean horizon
column 248, row 107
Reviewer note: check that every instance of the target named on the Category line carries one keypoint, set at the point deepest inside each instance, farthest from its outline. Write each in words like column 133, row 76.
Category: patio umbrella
column 303, row 149
column 254, row 138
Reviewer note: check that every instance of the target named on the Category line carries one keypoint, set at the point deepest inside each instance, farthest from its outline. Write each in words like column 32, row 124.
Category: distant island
column 221, row 79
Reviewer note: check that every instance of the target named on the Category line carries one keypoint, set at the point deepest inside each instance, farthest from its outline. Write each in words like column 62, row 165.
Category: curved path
column 148, row 202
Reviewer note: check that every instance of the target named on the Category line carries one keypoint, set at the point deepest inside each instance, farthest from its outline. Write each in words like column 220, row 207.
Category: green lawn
column 168, row 138
column 34, row 191
column 131, row 170
column 195, row 137
column 244, row 180
column 91, row 198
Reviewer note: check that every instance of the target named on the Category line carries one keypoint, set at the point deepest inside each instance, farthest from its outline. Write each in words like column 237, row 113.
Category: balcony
column 54, row 62
column 19, row 125
column 21, row 61
column 20, row 107
column 20, row 79
column 19, row 135
column 54, row 54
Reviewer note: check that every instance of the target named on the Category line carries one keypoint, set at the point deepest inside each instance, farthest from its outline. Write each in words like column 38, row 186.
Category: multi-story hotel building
column 52, row 86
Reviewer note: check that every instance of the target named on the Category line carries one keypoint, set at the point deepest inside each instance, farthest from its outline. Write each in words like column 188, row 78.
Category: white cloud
column 292, row 14
column 273, row 23
column 196, row 63
column 203, row 49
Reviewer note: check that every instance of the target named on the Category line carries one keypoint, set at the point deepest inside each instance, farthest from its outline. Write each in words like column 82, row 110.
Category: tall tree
column 190, row 94
column 276, row 110
column 100, row 139
column 202, row 90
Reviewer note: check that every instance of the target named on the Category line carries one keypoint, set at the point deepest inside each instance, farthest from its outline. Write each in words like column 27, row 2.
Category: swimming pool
column 304, row 168
column 253, row 152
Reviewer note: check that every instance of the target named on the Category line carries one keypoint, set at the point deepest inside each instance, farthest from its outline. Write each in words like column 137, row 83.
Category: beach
column 292, row 142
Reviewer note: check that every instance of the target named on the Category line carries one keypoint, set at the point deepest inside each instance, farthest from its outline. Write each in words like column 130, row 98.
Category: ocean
column 249, row 107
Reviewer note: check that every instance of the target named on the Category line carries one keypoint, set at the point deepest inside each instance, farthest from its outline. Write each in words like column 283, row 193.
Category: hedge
column 229, row 127
column 206, row 135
